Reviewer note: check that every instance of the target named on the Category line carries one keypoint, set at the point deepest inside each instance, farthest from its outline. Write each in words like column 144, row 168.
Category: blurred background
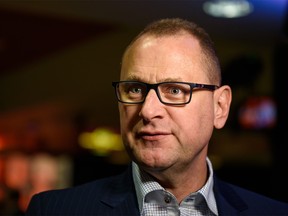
column 58, row 113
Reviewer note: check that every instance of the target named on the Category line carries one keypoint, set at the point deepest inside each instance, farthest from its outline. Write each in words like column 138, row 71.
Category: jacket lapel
column 121, row 196
column 228, row 202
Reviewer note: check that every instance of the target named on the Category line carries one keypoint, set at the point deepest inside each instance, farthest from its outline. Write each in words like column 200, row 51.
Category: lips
column 152, row 136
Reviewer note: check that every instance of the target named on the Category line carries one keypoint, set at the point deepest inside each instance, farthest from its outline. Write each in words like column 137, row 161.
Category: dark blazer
column 116, row 196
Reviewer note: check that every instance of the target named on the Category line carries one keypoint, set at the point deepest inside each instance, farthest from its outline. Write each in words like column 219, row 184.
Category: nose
column 152, row 106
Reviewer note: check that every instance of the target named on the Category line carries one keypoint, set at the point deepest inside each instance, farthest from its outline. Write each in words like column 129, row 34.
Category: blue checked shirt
column 154, row 200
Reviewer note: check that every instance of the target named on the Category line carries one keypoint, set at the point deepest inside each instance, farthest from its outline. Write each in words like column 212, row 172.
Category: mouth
column 151, row 136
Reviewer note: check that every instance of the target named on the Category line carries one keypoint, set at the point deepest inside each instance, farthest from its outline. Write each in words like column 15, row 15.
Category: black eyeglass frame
column 155, row 87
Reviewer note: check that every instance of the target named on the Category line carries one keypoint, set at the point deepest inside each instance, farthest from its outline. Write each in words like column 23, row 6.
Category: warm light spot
column 102, row 141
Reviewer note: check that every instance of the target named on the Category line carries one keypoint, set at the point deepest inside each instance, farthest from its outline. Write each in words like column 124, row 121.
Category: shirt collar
column 144, row 184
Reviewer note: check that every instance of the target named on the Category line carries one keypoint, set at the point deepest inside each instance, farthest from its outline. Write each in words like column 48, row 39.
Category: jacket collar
column 121, row 196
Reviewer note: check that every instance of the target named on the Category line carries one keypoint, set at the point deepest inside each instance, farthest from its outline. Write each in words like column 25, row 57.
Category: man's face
column 159, row 136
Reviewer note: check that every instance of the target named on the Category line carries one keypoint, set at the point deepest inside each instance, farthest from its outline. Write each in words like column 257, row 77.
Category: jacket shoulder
column 97, row 197
column 234, row 198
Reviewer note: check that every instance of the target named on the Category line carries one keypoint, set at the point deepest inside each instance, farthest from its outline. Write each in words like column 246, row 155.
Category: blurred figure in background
column 25, row 175
column 15, row 183
column 43, row 176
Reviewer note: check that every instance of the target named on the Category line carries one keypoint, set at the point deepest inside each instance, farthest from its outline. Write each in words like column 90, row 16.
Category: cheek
column 196, row 123
column 129, row 116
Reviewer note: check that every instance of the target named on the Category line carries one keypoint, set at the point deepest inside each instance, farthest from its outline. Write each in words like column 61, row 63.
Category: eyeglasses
column 172, row 93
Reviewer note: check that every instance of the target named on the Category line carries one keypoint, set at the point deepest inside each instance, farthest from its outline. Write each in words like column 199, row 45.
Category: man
column 170, row 100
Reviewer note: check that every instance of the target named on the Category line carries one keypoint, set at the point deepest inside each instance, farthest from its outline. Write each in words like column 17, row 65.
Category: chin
column 153, row 165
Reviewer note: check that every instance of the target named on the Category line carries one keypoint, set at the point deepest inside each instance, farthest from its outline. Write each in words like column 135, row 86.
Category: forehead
column 167, row 57
column 176, row 44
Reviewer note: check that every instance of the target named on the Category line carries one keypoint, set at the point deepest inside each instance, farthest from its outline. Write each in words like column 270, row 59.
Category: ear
column 222, row 102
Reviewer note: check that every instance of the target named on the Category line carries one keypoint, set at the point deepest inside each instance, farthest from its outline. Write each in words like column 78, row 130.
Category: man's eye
column 135, row 90
column 175, row 91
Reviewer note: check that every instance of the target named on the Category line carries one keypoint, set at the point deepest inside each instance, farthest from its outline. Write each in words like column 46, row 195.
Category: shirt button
column 167, row 199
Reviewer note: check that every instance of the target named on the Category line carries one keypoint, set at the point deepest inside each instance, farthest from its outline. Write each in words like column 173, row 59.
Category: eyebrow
column 172, row 79
column 133, row 78
column 137, row 78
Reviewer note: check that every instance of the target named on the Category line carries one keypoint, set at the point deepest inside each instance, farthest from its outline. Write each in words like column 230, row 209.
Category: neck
column 183, row 181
